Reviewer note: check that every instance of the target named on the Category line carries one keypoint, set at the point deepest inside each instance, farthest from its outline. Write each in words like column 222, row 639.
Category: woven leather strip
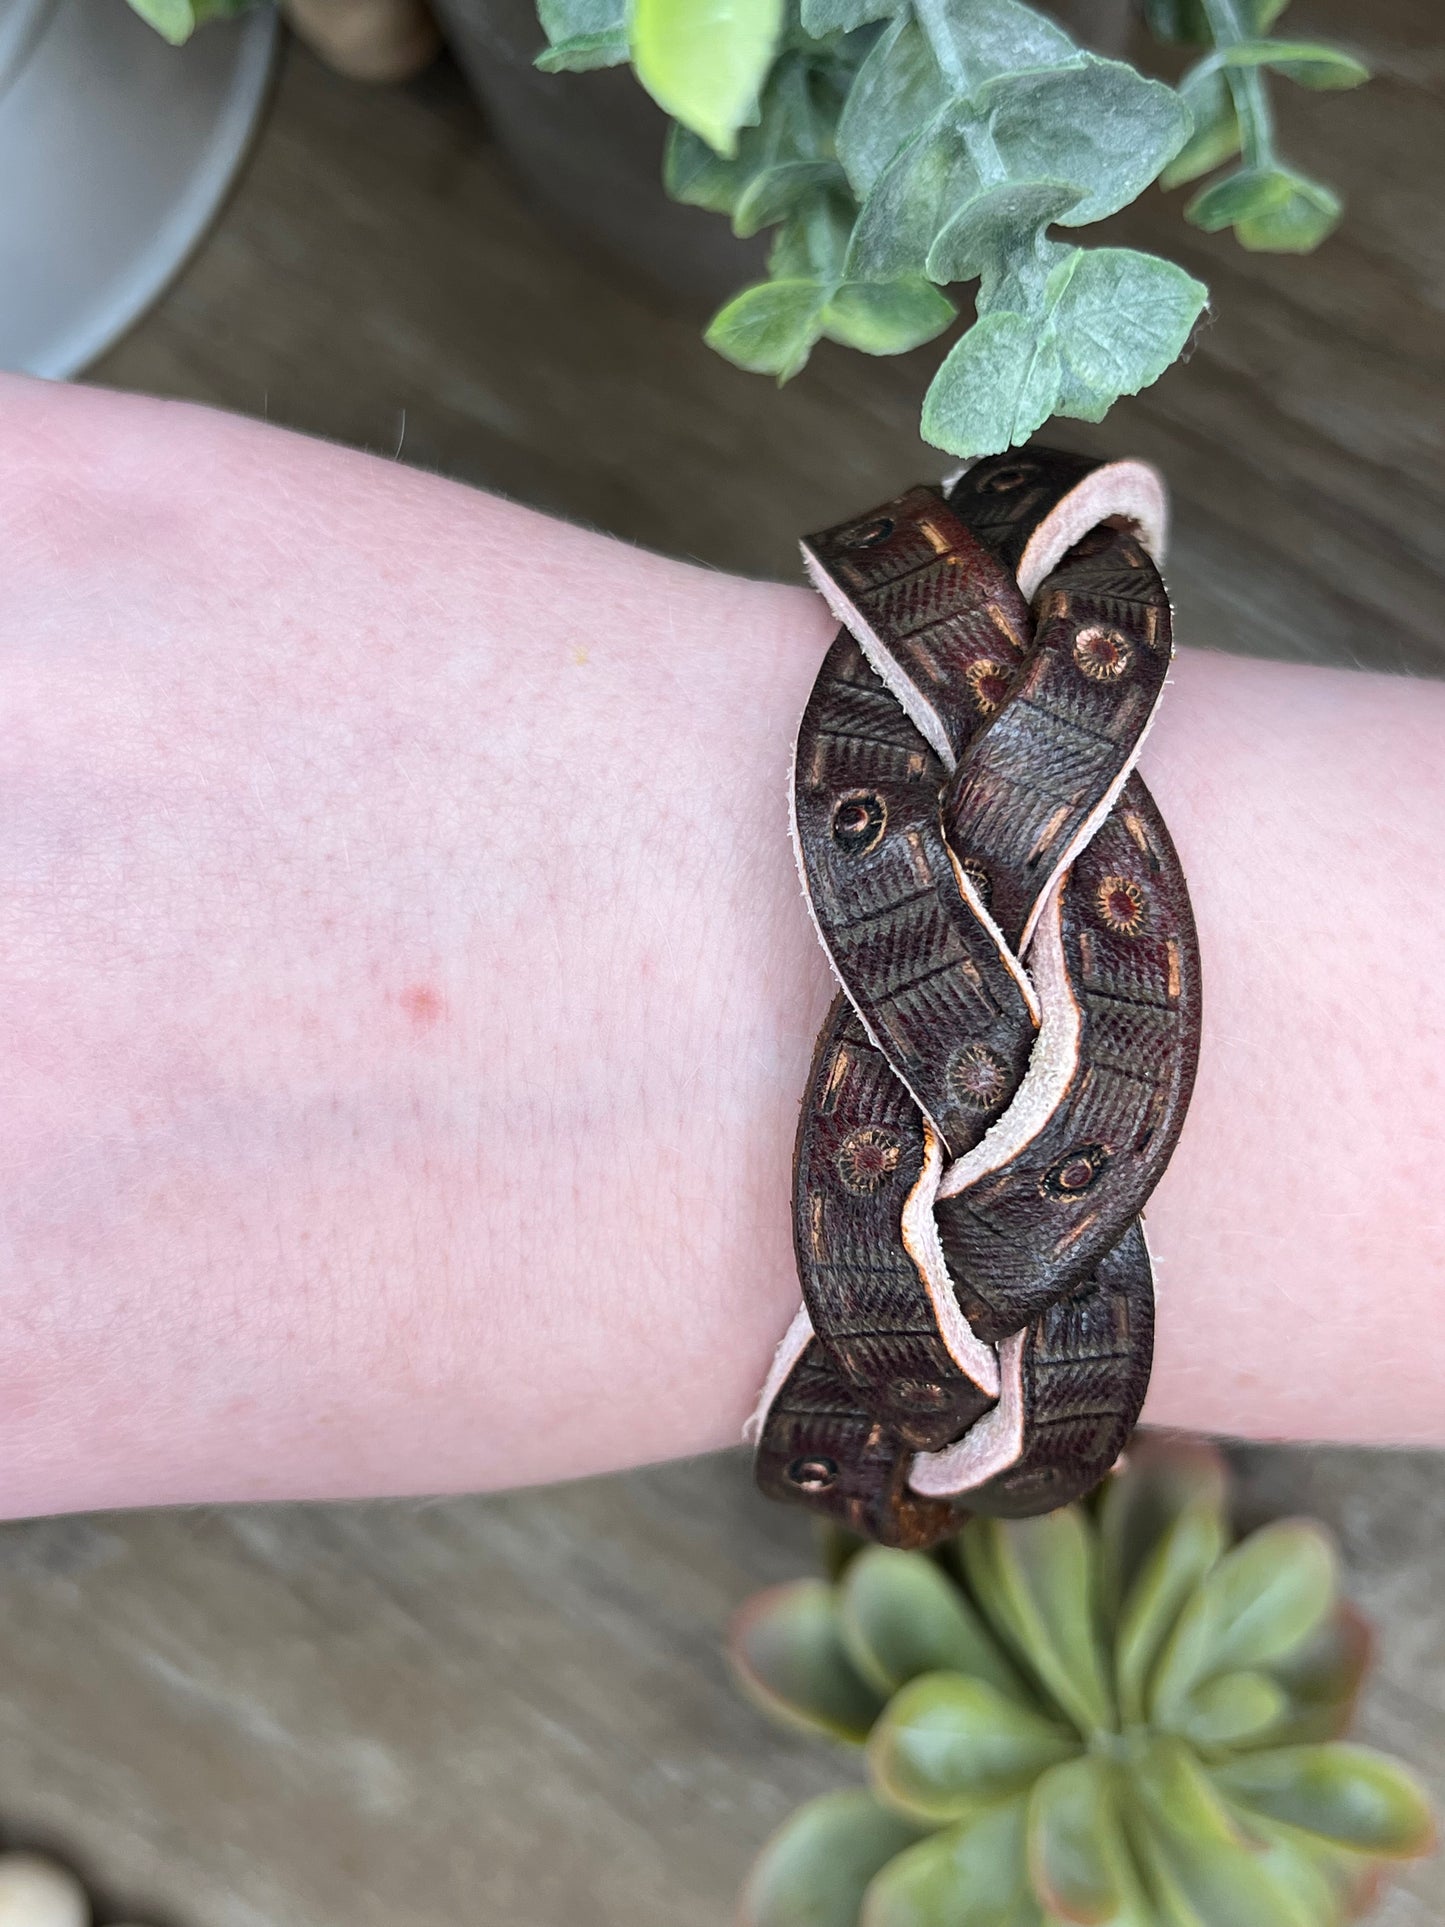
column 1001, row 1084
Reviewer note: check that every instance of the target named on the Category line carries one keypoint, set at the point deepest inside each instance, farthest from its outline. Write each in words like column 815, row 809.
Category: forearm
column 405, row 992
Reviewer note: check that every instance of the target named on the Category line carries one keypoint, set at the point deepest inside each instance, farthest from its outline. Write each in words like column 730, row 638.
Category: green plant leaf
column 585, row 54
column 581, row 19
column 1245, row 194
column 705, row 61
column 1350, row 1795
column 814, row 1870
column 1232, row 1708
column 1198, row 1863
column 897, row 91
column 1164, row 1476
column 1078, row 1862
column 776, row 193
column 1198, row 1883
column 887, row 317
column 1271, row 209
column 1037, row 1579
column 823, row 17
column 1095, row 123
column 770, row 329
column 173, row 20
column 1216, row 136
column 1309, row 214
column 1171, row 1785
column 972, row 1875
column 781, row 161
column 982, row 39
column 947, row 1746
column 582, row 34
column 985, row 231
column 1120, row 319
column 698, row 176
column 1179, row 22
column 910, row 201
column 1191, row 1545
column 1161, row 1528
column 902, row 1617
column 1339, row 1884
column 1324, row 1882
column 1322, row 1679
column 1109, row 321
column 1304, row 61
column 786, row 1647
column 1076, row 142
column 1263, row 1600
column 1186, row 22
column 176, row 20
column 811, row 243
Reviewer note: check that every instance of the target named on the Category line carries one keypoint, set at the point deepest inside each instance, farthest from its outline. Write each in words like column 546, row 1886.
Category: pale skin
column 406, row 994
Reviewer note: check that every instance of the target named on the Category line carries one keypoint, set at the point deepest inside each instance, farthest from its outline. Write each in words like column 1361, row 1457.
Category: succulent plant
column 1107, row 1715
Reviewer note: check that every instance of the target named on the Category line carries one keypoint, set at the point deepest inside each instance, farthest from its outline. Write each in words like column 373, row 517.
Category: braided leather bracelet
column 1001, row 1083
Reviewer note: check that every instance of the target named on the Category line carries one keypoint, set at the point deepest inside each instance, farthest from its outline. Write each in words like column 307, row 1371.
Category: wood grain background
column 513, row 1710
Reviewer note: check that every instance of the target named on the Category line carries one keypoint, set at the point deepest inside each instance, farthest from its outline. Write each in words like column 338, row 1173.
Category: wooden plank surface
column 510, row 1712
column 513, row 1710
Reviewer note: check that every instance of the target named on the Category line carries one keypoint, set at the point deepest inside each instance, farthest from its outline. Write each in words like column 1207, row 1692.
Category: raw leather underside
column 1004, row 1075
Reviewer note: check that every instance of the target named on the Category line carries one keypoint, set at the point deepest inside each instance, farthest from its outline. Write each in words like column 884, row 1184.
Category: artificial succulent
column 1107, row 1715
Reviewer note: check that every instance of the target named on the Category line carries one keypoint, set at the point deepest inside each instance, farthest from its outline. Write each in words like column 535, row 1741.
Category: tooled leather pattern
column 934, row 814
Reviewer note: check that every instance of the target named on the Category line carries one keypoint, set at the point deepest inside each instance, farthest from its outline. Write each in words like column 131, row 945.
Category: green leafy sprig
column 1108, row 1717
column 899, row 147
column 1269, row 205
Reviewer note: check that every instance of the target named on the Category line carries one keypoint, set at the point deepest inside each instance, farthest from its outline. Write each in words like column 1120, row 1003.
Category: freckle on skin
column 423, row 1005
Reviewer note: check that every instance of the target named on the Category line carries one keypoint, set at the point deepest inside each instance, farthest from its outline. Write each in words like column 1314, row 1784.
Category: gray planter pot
column 115, row 152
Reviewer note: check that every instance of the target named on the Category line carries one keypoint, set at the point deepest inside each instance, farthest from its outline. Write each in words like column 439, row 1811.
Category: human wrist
column 408, row 991
column 1302, row 1277
column 406, row 951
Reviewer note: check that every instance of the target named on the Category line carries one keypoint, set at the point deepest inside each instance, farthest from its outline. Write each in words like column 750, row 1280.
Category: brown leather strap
column 1001, row 1085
